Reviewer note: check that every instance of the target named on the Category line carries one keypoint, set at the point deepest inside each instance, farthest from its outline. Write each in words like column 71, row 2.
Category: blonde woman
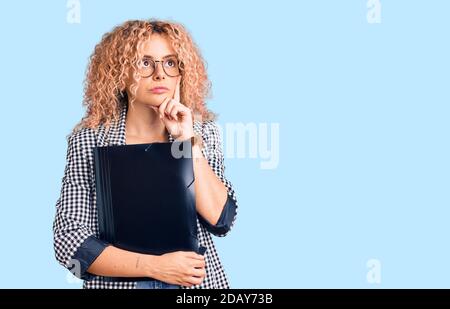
column 146, row 82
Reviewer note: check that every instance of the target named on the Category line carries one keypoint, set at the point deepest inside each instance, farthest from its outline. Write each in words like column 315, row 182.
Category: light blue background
column 364, row 121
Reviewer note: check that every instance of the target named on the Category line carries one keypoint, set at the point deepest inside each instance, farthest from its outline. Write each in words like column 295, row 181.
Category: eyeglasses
column 147, row 67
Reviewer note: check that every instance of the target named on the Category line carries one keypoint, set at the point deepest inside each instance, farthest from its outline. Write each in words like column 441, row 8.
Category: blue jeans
column 155, row 284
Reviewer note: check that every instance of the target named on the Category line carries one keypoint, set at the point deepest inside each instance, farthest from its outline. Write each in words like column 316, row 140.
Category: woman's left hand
column 176, row 117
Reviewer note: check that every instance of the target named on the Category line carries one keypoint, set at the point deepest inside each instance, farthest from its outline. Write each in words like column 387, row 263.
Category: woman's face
column 157, row 48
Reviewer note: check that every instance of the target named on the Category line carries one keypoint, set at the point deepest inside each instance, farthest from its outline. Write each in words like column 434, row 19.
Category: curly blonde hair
column 119, row 51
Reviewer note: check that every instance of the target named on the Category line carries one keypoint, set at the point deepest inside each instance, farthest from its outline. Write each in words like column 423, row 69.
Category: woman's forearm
column 115, row 262
column 210, row 193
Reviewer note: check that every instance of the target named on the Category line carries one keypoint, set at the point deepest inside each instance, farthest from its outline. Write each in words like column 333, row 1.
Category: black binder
column 145, row 197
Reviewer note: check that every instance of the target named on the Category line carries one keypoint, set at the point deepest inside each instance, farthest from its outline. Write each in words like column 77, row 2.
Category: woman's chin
column 151, row 101
column 156, row 99
column 152, row 104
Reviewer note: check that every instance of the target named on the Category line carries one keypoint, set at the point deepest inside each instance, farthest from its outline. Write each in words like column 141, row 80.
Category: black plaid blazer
column 75, row 228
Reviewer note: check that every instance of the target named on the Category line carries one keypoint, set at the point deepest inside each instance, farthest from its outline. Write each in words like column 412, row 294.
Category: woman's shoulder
column 83, row 138
column 208, row 129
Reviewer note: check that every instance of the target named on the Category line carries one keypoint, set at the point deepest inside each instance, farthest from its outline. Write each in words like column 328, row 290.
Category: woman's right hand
column 180, row 267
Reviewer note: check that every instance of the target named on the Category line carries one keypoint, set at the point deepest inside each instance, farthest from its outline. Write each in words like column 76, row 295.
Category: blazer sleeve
column 214, row 154
column 75, row 244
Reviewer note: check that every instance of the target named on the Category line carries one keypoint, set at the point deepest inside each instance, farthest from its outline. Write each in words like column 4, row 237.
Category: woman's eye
column 145, row 63
column 170, row 63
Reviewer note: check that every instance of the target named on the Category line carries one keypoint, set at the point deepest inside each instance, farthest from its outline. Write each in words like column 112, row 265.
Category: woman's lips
column 159, row 90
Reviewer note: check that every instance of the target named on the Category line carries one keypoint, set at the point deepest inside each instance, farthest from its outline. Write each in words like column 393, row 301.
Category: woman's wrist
column 149, row 265
column 183, row 137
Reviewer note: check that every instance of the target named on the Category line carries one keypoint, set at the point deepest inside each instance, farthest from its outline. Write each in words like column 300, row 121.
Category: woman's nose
column 159, row 72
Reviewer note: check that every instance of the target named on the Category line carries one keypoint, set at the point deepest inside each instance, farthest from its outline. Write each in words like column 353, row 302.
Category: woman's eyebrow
column 171, row 55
